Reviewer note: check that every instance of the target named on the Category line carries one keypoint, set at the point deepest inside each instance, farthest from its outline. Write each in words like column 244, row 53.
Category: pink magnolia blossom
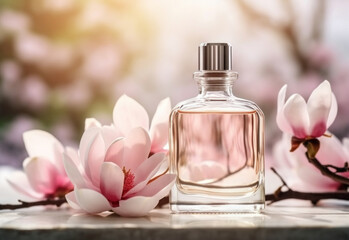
column 303, row 176
column 307, row 119
column 44, row 175
column 117, row 176
column 129, row 114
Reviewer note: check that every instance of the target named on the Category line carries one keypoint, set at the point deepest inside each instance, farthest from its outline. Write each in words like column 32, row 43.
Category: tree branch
column 313, row 197
column 280, row 195
column 338, row 169
column 326, row 172
column 56, row 201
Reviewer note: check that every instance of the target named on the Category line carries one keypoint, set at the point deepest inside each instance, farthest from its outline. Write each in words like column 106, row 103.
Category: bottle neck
column 215, row 90
column 215, row 84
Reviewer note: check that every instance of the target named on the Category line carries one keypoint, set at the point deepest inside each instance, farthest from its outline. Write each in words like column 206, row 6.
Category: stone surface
column 277, row 222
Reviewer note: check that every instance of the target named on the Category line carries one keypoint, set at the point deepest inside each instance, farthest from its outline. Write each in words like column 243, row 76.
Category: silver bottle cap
column 215, row 57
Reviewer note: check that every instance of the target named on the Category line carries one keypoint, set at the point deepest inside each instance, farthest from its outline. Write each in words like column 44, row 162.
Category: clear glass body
column 217, row 150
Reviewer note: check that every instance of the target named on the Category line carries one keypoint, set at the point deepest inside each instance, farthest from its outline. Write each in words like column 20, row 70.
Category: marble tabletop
column 285, row 220
column 276, row 222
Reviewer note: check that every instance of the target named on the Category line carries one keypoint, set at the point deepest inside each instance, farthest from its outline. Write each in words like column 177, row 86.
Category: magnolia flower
column 44, row 175
column 129, row 114
column 303, row 176
column 118, row 177
column 307, row 119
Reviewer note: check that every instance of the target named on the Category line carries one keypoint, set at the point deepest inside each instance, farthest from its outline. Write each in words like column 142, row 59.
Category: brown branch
column 338, row 169
column 326, row 172
column 280, row 195
column 310, row 196
column 56, row 201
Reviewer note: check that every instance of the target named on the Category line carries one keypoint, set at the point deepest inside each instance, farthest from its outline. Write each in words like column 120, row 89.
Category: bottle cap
column 215, row 57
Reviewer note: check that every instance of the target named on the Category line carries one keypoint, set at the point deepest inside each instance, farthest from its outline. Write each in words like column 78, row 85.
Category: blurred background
column 62, row 61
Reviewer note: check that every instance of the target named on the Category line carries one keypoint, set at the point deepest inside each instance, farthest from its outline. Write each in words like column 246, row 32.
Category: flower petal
column 331, row 151
column 145, row 172
column 92, row 122
column 158, row 188
column 149, row 167
column 333, row 111
column 159, row 125
column 110, row 134
column 74, row 156
column 137, row 148
column 96, row 154
column 136, row 206
column 112, row 181
column 129, row 114
column 115, row 152
column 296, row 113
column 20, row 183
column 280, row 117
column 86, row 141
column 42, row 174
column 346, row 146
column 319, row 105
column 91, row 201
column 73, row 203
column 39, row 143
column 73, row 172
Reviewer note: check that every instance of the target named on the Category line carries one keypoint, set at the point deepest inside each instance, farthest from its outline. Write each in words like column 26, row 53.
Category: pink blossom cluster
column 120, row 167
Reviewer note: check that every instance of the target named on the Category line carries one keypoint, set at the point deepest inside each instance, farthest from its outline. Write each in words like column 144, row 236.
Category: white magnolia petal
column 42, row 174
column 280, row 117
column 110, row 134
column 73, row 172
column 96, row 155
column 86, row 141
column 137, row 148
column 129, row 114
column 115, row 152
column 73, row 154
column 39, row 143
column 73, row 203
column 91, row 123
column 296, row 113
column 112, row 181
column 333, row 111
column 136, row 206
column 159, row 125
column 346, row 147
column 158, row 188
column 319, row 105
column 91, row 201
column 149, row 167
column 20, row 183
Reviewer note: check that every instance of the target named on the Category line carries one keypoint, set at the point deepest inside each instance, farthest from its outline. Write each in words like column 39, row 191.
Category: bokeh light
column 62, row 61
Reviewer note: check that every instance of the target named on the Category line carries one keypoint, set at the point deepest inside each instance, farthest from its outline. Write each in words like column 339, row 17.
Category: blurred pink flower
column 31, row 48
column 10, row 71
column 303, row 176
column 14, row 21
column 129, row 114
column 310, row 119
column 101, row 63
column 44, row 175
column 33, row 93
column 76, row 95
column 119, row 177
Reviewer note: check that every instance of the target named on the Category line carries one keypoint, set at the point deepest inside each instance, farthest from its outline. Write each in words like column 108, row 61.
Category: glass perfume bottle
column 217, row 142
